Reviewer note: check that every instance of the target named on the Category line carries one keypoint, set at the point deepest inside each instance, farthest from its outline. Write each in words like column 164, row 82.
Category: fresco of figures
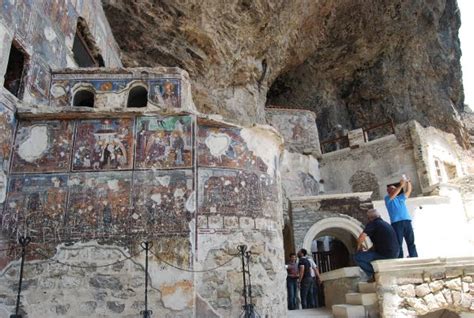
column 103, row 144
column 36, row 205
column 236, row 193
column 164, row 142
column 43, row 146
column 7, row 128
column 98, row 204
column 163, row 204
column 225, row 147
column 166, row 92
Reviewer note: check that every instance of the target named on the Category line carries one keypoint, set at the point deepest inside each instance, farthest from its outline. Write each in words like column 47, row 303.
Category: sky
column 467, row 48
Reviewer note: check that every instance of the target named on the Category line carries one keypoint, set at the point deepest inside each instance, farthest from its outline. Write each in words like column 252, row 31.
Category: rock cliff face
column 354, row 63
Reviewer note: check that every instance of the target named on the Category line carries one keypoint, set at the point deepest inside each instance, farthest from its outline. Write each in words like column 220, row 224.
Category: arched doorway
column 338, row 237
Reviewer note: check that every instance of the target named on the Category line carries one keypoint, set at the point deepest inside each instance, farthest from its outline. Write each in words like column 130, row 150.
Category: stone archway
column 335, row 226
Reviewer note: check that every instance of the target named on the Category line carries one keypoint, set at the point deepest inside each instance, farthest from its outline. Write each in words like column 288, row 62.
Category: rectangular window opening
column 15, row 69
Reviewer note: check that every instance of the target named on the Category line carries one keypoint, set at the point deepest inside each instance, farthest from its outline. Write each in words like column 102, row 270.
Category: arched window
column 84, row 98
column 137, row 97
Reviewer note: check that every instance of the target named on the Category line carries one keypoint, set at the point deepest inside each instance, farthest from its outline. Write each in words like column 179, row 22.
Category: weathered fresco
column 166, row 92
column 163, row 202
column 36, row 205
column 164, row 142
column 163, row 92
column 298, row 128
column 39, row 81
column 103, row 144
column 236, row 193
column 225, row 148
column 98, row 204
column 43, row 146
column 7, row 127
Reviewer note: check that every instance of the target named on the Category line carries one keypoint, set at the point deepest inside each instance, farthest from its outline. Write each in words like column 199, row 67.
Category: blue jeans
column 403, row 229
column 292, row 286
column 306, row 292
column 363, row 259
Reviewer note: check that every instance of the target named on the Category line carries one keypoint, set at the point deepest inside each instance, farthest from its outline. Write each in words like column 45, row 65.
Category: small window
column 84, row 98
column 137, row 97
column 15, row 67
column 84, row 48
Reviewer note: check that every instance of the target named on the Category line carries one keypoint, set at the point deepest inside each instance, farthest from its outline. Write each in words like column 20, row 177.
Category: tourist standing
column 399, row 216
column 292, row 281
column 305, row 281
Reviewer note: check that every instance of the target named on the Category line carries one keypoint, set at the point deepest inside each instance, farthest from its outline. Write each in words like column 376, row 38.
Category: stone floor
column 310, row 313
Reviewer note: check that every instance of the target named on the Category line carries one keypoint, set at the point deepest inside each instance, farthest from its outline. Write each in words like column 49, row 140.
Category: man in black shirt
column 305, row 280
column 383, row 238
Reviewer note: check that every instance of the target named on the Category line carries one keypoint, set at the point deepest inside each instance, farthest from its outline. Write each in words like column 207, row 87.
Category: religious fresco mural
column 164, row 142
column 43, row 146
column 7, row 128
column 166, row 92
column 236, row 193
column 98, row 204
column 163, row 203
column 18, row 15
column 39, row 81
column 35, row 206
column 225, row 148
column 103, row 144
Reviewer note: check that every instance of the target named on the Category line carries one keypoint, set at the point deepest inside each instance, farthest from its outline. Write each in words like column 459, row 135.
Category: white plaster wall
column 291, row 165
column 441, row 147
column 387, row 158
column 440, row 224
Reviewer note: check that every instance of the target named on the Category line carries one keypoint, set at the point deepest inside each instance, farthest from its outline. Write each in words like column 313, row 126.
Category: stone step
column 348, row 311
column 364, row 299
column 365, row 287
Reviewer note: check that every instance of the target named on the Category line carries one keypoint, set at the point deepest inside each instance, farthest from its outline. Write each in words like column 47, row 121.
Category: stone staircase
column 362, row 304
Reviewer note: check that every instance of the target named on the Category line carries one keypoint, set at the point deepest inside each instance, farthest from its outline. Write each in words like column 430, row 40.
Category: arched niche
column 83, row 98
column 346, row 229
column 137, row 97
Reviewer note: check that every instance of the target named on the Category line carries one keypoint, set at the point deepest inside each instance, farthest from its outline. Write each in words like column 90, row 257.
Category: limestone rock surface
column 354, row 63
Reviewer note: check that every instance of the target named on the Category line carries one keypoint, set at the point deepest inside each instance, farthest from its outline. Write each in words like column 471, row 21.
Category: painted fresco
column 298, row 128
column 47, row 43
column 98, row 204
column 39, row 82
column 166, row 92
column 43, row 146
column 103, row 144
column 35, row 206
column 7, row 128
column 164, row 142
column 17, row 14
column 224, row 147
column 236, row 193
column 163, row 203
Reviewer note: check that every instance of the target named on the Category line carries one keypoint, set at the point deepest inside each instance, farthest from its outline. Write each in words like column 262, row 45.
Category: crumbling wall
column 371, row 165
column 438, row 156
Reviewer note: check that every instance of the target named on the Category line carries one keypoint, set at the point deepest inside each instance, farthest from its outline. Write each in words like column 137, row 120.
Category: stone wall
column 45, row 31
column 371, row 166
column 308, row 211
column 197, row 188
column 413, row 287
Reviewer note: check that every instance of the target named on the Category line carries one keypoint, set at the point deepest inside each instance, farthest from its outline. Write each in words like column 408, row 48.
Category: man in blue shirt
column 383, row 238
column 399, row 216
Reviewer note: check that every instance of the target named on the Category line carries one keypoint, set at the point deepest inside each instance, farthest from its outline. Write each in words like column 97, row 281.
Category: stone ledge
column 400, row 265
column 341, row 273
column 363, row 195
